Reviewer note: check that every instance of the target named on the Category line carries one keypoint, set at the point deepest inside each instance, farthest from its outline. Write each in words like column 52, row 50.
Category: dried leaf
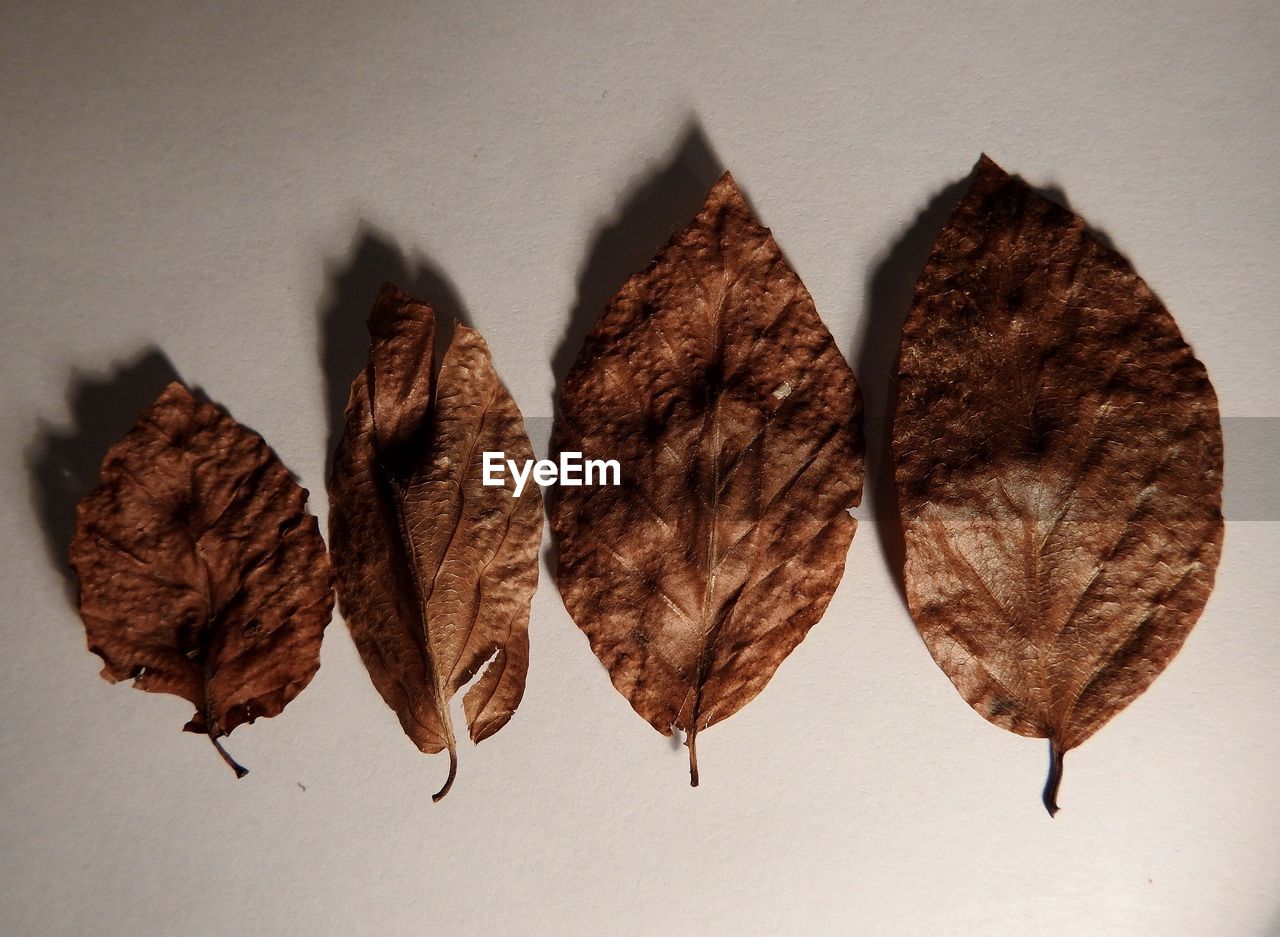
column 1059, row 469
column 736, row 421
column 435, row 570
column 201, row 572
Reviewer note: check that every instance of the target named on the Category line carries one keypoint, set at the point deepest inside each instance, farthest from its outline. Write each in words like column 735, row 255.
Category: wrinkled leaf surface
column 201, row 572
column 736, row 422
column 435, row 570
column 1059, row 468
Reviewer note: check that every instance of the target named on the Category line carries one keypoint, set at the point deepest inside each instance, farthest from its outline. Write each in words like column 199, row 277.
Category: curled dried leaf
column 1059, row 469
column 201, row 572
column 736, row 422
column 435, row 569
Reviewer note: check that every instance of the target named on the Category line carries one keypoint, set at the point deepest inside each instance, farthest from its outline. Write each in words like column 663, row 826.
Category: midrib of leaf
column 211, row 724
column 1072, row 242
column 711, row 564
column 214, row 613
column 422, row 598
column 428, row 659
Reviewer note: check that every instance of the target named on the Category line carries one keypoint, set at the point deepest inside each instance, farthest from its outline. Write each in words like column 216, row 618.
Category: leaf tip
column 988, row 169
column 175, row 388
column 691, row 743
column 726, row 192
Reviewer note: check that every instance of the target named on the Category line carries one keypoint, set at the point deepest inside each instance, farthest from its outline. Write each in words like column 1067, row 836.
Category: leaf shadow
column 654, row 204
column 63, row 461
column 890, row 282
column 351, row 286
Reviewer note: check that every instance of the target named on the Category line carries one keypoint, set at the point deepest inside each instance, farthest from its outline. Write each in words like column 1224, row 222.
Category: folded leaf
column 435, row 570
column 201, row 572
column 736, row 422
column 1059, row 469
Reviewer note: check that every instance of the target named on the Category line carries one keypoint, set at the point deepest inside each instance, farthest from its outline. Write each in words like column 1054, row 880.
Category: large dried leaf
column 1059, row 468
column 736, row 421
column 435, row 569
column 201, row 572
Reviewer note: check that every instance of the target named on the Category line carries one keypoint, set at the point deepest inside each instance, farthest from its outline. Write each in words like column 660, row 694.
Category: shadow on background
column 352, row 286
column 890, row 284
column 63, row 461
column 655, row 204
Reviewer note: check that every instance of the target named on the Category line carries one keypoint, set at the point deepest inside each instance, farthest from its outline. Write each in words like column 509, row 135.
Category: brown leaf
column 1059, row 468
column 736, row 421
column 201, row 572
column 435, row 569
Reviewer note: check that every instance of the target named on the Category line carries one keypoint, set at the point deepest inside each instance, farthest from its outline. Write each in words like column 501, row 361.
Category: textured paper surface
column 233, row 184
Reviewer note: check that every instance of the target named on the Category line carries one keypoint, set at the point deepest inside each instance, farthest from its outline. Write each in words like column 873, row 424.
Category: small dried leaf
column 1059, row 469
column 736, row 421
column 201, row 572
column 435, row 570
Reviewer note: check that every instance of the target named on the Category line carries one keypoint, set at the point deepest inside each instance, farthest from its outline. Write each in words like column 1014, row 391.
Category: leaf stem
column 692, row 743
column 453, row 772
column 238, row 768
column 1050, row 796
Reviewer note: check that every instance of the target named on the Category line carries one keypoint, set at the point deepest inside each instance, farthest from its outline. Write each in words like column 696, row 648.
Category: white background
column 217, row 191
